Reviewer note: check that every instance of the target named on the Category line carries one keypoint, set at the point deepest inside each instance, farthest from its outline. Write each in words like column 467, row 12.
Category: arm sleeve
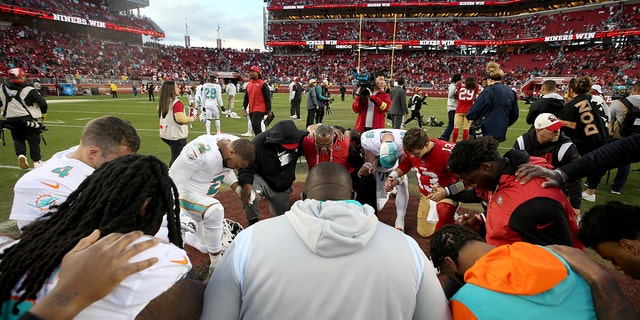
column 477, row 109
column 178, row 112
column 609, row 156
column 245, row 100
column 358, row 103
column 223, row 296
column 431, row 302
column 37, row 98
column 266, row 93
column 541, row 221
column 532, row 114
column 515, row 112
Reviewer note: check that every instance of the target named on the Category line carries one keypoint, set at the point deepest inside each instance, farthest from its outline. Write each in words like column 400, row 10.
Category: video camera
column 39, row 126
column 364, row 81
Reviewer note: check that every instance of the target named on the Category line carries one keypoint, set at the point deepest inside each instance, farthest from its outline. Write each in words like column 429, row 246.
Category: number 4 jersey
column 49, row 185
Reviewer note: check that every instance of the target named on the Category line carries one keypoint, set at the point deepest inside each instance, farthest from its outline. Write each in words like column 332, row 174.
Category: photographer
column 372, row 103
column 323, row 100
column 22, row 106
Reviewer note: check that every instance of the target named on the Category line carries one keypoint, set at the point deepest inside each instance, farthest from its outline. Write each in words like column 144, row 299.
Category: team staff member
column 273, row 171
column 173, row 120
column 323, row 240
column 23, row 106
column 546, row 141
column 257, row 100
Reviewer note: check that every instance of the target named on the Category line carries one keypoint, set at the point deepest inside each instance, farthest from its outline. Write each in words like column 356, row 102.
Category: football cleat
column 230, row 230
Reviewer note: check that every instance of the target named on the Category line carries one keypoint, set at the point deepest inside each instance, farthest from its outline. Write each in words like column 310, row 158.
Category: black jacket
column 275, row 164
column 553, row 104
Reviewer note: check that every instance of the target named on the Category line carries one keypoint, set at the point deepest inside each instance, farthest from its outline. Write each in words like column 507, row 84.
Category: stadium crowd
column 84, row 9
column 47, row 54
column 535, row 26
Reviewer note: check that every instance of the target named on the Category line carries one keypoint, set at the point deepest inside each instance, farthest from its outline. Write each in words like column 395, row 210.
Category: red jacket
column 339, row 153
column 381, row 104
column 511, row 197
column 257, row 100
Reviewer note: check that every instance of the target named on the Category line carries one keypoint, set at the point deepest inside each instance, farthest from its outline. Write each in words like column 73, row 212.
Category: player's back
column 211, row 94
column 202, row 161
column 39, row 189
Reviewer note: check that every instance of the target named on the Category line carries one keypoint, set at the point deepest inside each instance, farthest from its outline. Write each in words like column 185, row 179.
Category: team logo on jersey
column 43, row 202
column 499, row 200
column 184, row 260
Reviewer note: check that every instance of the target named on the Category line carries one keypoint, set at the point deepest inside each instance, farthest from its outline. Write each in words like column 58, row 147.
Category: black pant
column 415, row 114
column 22, row 134
column 176, row 147
column 319, row 114
column 256, row 121
column 311, row 115
column 365, row 188
column 151, row 97
column 114, row 94
column 295, row 108
column 446, row 135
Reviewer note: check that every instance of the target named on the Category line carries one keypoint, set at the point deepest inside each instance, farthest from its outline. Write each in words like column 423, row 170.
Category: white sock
column 400, row 220
column 218, row 128
column 207, row 125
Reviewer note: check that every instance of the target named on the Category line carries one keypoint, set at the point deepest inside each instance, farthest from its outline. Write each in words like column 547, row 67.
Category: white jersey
column 134, row 292
column 209, row 96
column 200, row 166
column 371, row 142
column 49, row 185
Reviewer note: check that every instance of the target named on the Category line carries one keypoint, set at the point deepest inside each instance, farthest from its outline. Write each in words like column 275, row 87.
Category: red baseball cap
column 296, row 79
column 255, row 68
column 16, row 73
column 290, row 146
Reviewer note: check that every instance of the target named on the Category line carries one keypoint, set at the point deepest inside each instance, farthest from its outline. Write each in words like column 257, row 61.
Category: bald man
column 330, row 253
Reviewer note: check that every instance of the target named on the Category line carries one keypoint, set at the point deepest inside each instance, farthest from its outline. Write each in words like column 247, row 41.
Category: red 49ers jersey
column 432, row 168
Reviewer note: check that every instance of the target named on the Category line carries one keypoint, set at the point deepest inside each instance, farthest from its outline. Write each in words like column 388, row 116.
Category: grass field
column 67, row 116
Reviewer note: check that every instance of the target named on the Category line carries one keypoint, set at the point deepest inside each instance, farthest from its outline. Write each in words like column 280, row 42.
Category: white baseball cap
column 597, row 87
column 547, row 121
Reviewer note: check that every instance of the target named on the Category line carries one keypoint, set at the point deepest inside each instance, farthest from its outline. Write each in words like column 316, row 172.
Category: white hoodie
column 324, row 260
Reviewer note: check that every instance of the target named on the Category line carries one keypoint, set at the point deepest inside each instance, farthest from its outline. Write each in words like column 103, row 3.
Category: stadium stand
column 598, row 40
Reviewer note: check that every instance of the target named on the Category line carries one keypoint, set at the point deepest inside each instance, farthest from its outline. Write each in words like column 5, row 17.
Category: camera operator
column 371, row 104
column 22, row 106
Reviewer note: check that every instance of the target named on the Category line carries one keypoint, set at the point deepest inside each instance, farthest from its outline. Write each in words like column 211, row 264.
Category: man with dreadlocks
column 531, row 281
column 103, row 139
column 199, row 171
column 133, row 192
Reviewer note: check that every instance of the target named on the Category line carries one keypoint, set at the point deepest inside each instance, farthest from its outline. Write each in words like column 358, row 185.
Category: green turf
column 67, row 115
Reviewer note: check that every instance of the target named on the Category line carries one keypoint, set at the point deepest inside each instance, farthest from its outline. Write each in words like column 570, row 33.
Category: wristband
column 394, row 175
column 563, row 176
column 368, row 163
